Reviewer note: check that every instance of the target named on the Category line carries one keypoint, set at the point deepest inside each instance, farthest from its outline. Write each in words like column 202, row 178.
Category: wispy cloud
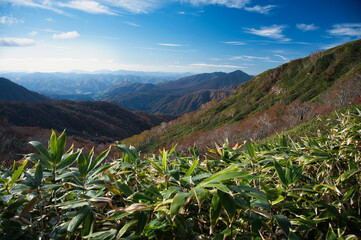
column 277, row 55
column 35, row 4
column 346, row 29
column 33, row 33
column 181, row 13
column 88, row 6
column 260, row 9
column 274, row 31
column 135, row 6
column 236, row 43
column 201, row 65
column 16, row 42
column 248, row 58
column 306, row 27
column 10, row 20
column 226, row 3
column 168, row 49
column 170, row 44
column 66, row 35
column 132, row 24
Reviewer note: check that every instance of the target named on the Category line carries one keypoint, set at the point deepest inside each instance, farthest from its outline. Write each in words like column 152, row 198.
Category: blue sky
column 170, row 35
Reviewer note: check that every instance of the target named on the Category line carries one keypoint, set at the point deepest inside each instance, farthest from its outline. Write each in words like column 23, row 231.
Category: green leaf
column 344, row 176
column 250, row 149
column 292, row 236
column 200, row 194
column 125, row 228
column 60, row 147
column 331, row 234
column 178, row 202
column 156, row 166
column 164, row 160
column 88, row 225
column 79, row 217
column 17, row 174
column 103, row 235
column 98, row 160
column 131, row 154
column 215, row 210
column 39, row 174
column 228, row 204
column 142, row 221
column 82, row 165
column 280, row 173
column 191, row 169
column 140, row 196
column 53, row 146
column 42, row 150
column 68, row 161
column 284, row 223
column 37, row 158
column 125, row 189
column 226, row 174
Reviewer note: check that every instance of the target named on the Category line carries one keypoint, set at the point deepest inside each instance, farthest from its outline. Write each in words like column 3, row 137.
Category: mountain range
column 175, row 97
column 83, row 86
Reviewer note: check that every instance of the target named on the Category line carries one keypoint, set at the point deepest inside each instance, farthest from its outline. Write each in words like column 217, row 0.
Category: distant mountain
column 274, row 101
column 11, row 91
column 175, row 97
column 94, row 120
column 83, row 86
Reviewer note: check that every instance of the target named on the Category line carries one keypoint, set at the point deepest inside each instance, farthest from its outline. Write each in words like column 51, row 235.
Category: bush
column 288, row 190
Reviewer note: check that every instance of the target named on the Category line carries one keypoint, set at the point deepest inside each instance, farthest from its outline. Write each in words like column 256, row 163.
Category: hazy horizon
column 174, row 36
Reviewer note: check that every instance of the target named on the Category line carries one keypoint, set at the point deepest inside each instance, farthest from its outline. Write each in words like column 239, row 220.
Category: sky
column 170, row 35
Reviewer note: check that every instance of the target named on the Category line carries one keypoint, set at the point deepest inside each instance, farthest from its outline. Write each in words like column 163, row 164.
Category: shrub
column 309, row 189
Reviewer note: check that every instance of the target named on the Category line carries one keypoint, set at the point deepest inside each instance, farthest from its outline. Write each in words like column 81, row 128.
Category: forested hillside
column 11, row 91
column 271, row 102
column 94, row 120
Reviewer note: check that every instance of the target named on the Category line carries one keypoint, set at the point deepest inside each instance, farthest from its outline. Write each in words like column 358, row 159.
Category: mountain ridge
column 14, row 92
column 159, row 98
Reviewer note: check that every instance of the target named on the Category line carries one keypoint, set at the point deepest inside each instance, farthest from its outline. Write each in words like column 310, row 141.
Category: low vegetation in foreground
column 287, row 190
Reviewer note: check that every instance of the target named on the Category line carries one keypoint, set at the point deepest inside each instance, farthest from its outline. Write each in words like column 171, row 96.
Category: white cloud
column 306, row 27
column 277, row 55
column 248, row 58
column 66, row 35
column 260, row 9
column 50, row 20
column 135, row 6
column 274, row 31
column 88, row 6
column 346, row 29
column 43, row 4
column 16, row 42
column 33, row 33
column 9, row 20
column 226, row 3
column 132, row 24
column 236, row 43
column 180, row 12
column 170, row 44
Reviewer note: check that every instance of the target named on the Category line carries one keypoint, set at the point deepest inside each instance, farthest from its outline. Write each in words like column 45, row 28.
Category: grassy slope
column 308, row 80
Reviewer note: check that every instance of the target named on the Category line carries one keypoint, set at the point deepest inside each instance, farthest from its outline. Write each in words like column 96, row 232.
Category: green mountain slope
column 273, row 101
